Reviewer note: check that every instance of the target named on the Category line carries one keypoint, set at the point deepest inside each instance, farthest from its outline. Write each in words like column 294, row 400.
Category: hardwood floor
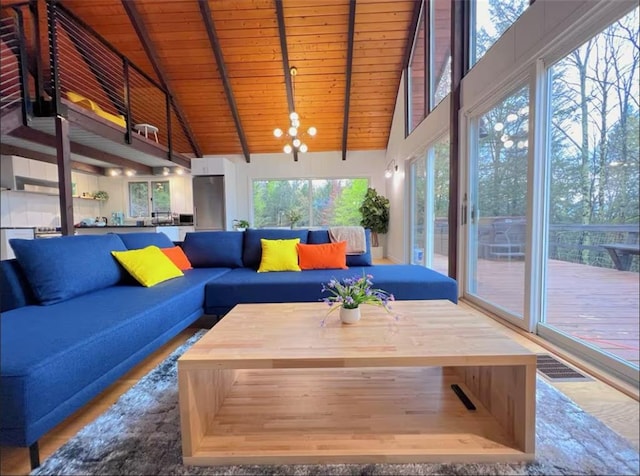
column 619, row 411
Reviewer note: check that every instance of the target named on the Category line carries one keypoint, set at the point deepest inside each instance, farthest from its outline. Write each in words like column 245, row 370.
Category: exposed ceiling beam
column 43, row 138
column 285, row 62
column 347, row 91
column 7, row 149
column 152, row 54
column 205, row 10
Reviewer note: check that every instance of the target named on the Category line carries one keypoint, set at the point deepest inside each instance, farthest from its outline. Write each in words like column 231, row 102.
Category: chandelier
column 293, row 133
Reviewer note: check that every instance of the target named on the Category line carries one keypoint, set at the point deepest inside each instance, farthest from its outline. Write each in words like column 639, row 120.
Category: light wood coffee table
column 271, row 384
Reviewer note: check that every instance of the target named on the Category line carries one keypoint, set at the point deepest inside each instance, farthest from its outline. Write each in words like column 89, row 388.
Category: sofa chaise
column 74, row 321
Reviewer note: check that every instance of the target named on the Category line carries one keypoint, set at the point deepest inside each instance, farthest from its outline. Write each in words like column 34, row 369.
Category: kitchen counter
column 174, row 232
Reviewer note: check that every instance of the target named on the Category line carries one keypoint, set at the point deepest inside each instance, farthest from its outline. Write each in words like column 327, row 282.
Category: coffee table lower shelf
column 364, row 415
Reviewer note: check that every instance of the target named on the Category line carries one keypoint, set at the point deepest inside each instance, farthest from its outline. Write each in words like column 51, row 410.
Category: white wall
column 367, row 164
column 539, row 30
column 19, row 209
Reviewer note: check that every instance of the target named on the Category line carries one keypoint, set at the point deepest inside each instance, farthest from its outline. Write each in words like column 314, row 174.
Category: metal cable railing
column 91, row 73
column 11, row 90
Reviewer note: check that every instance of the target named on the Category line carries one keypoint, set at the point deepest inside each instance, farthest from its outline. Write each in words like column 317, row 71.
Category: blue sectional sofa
column 73, row 321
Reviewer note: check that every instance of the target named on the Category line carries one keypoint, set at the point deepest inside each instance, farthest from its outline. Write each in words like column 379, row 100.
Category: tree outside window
column 319, row 202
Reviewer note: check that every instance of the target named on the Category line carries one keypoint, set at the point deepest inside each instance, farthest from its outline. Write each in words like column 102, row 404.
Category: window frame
column 150, row 184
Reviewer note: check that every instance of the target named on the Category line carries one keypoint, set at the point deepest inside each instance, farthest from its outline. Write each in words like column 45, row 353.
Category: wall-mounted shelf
column 79, row 197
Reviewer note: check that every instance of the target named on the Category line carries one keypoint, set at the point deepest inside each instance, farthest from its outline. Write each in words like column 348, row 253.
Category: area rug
column 140, row 434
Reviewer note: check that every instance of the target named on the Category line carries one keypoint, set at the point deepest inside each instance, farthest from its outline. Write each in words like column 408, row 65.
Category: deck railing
column 583, row 244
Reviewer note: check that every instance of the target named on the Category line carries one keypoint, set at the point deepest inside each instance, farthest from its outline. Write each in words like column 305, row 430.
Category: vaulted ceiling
column 240, row 118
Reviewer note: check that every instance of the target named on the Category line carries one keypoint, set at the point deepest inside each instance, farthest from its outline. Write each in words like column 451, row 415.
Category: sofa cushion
column 214, row 249
column 279, row 255
column 54, row 361
column 60, row 268
column 317, row 237
column 136, row 241
column 252, row 251
column 149, row 266
column 324, row 256
column 14, row 288
column 244, row 285
column 177, row 256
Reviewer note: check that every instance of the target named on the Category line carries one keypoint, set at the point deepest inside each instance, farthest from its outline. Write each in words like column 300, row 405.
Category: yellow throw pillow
column 149, row 266
column 279, row 255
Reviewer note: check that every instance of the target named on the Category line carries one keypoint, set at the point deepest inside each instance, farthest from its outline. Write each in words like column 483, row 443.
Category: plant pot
column 377, row 252
column 349, row 316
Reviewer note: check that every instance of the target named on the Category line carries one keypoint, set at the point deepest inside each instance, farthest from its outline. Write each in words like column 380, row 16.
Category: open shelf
column 361, row 415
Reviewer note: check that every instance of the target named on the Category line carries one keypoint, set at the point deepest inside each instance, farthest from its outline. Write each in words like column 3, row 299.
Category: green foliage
column 375, row 213
column 346, row 211
column 241, row 224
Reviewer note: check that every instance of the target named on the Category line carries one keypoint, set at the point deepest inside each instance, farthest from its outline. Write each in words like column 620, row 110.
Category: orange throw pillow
column 178, row 257
column 325, row 256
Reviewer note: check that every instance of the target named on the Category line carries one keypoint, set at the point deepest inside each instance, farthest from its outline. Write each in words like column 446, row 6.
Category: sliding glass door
column 498, row 203
column 592, row 286
column 430, row 207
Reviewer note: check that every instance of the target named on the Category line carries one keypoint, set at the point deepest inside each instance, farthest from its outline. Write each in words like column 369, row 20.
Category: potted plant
column 375, row 216
column 240, row 225
column 101, row 195
column 349, row 293
column 294, row 216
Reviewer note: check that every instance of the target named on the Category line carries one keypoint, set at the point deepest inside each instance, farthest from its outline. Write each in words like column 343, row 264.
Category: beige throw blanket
column 353, row 235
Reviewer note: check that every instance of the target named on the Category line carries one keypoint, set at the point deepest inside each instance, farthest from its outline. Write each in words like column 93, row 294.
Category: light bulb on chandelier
column 293, row 133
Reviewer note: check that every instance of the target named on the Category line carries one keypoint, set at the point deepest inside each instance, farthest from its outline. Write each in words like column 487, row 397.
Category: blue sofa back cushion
column 61, row 268
column 136, row 241
column 214, row 249
column 252, row 251
column 319, row 237
column 15, row 291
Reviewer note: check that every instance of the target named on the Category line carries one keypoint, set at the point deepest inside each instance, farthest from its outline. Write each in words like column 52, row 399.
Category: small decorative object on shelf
column 101, row 195
column 349, row 293
column 240, row 225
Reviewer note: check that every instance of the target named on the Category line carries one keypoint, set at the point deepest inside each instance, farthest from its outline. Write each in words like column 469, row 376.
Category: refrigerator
column 209, row 202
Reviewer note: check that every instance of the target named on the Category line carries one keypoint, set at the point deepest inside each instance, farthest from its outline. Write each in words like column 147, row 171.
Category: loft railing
column 67, row 56
column 84, row 63
column 14, row 85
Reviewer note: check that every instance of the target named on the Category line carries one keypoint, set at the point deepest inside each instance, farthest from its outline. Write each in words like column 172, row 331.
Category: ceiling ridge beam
column 207, row 16
column 143, row 36
column 282, row 33
column 347, row 90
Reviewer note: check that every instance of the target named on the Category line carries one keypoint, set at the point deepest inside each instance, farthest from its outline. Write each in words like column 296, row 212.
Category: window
column 489, row 20
column 417, row 74
column 440, row 57
column 149, row 197
column 316, row 202
column 429, row 74
column 594, row 196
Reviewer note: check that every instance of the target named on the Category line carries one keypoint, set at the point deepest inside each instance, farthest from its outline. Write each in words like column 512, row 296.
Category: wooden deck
column 598, row 305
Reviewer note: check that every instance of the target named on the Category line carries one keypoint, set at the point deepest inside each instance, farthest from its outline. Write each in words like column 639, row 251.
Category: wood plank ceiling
column 247, row 31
